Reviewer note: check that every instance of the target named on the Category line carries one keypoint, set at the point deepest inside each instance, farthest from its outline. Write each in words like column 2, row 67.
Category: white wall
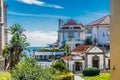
column 61, row 36
column 71, row 63
column 102, row 35
column 75, row 35
column 94, row 32
column 48, row 53
column 107, row 63
column 65, row 36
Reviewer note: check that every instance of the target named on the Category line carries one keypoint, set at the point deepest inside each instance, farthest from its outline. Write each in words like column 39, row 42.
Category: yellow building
column 3, row 25
column 115, row 40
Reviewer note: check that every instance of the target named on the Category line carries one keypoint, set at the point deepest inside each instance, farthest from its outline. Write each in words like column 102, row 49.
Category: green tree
column 18, row 43
column 61, row 66
column 88, row 41
column 29, row 70
column 67, row 50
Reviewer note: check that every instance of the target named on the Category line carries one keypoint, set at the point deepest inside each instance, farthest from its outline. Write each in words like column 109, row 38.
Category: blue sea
column 30, row 52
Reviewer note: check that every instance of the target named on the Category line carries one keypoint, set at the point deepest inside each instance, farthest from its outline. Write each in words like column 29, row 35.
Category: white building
column 100, row 29
column 75, row 34
column 86, row 56
column 70, row 33
column 3, row 25
column 45, row 59
column 47, row 56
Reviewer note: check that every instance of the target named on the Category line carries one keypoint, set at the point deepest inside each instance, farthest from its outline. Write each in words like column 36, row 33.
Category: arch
column 95, row 61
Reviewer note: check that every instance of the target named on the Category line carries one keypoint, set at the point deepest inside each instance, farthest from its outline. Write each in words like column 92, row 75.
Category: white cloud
column 41, row 3
column 40, row 38
column 38, row 15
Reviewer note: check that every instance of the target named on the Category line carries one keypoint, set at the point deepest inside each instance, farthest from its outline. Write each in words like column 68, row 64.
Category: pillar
column 115, row 40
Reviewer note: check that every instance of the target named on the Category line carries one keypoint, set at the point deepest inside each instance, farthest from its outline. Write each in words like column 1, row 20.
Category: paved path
column 77, row 77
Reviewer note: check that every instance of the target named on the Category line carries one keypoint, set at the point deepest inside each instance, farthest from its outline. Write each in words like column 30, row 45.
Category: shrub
column 5, row 76
column 91, row 71
column 68, row 76
column 60, row 65
column 29, row 70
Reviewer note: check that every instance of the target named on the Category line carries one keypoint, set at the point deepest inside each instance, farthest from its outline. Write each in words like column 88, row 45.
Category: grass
column 105, row 76
column 5, row 76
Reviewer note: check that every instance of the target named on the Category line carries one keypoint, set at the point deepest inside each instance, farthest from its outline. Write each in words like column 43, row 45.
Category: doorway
column 78, row 66
column 95, row 61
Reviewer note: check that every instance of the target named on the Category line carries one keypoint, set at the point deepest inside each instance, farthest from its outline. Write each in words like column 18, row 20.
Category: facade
column 70, row 33
column 75, row 34
column 86, row 56
column 95, row 57
column 99, row 29
column 3, row 25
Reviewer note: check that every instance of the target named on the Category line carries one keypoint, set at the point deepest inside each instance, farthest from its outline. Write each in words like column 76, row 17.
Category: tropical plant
column 18, row 43
column 67, row 50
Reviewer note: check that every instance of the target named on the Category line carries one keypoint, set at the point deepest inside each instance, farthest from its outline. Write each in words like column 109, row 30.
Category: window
column 70, row 35
column 77, row 45
column 103, row 34
column 89, row 31
column 77, row 28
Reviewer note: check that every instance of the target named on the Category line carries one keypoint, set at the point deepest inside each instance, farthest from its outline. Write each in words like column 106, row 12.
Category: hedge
column 91, row 71
column 68, row 76
column 7, row 76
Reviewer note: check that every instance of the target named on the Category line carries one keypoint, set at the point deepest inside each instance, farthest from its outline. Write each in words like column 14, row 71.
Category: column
column 115, row 40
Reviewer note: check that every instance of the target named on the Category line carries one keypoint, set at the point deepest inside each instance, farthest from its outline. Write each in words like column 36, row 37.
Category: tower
column 60, row 23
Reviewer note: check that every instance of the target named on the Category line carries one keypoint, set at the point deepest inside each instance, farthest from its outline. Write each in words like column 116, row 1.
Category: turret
column 95, row 42
column 60, row 23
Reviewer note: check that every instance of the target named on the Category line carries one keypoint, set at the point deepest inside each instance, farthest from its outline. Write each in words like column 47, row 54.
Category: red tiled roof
column 81, row 48
column 67, row 58
column 71, row 22
column 101, row 21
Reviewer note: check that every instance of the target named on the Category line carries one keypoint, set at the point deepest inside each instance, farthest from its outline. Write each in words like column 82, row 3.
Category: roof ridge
column 73, row 22
column 98, row 20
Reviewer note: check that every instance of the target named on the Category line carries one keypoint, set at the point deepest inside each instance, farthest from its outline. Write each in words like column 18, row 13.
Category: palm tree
column 17, row 45
column 6, row 55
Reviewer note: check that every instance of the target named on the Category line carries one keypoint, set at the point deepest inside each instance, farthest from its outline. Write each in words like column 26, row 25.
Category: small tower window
column 71, row 27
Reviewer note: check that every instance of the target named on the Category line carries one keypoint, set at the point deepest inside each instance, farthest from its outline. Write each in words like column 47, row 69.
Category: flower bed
column 68, row 76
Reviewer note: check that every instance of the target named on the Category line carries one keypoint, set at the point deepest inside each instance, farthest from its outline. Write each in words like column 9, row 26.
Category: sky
column 40, row 17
